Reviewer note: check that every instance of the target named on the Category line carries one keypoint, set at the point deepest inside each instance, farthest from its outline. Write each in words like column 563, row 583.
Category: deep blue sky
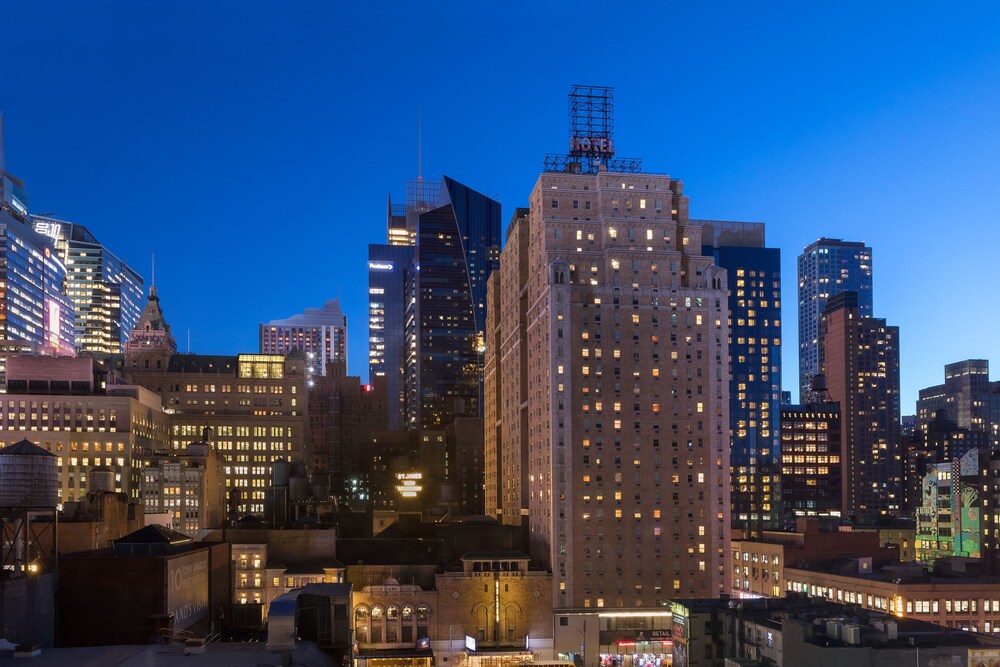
column 252, row 144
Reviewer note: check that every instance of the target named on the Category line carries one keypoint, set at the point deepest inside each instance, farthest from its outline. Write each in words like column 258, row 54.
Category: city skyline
column 809, row 160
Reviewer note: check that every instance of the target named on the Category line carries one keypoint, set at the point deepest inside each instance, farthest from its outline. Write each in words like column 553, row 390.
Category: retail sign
column 380, row 266
column 654, row 635
column 51, row 229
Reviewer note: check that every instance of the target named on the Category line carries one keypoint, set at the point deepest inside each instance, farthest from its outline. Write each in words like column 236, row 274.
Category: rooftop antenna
column 152, row 278
column 420, row 173
column 189, row 340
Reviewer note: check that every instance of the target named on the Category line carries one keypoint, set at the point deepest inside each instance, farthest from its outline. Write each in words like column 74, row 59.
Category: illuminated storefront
column 650, row 648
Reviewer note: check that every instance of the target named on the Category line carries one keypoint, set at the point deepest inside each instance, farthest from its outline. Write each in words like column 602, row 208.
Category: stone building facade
column 607, row 393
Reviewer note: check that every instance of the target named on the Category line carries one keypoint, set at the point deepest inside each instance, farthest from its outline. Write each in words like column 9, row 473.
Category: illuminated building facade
column 967, row 397
column 59, row 404
column 188, row 486
column 319, row 332
column 948, row 520
column 754, row 368
column 962, row 602
column 388, row 268
column 427, row 299
column 827, row 268
column 859, row 356
column 607, row 391
column 254, row 405
column 33, row 306
column 811, row 472
column 458, row 246
column 107, row 294
column 35, row 314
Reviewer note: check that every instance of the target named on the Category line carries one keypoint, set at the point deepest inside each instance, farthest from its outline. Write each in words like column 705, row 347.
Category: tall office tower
column 811, row 483
column 319, row 332
column 754, row 368
column 458, row 246
column 254, row 405
column 827, row 268
column 388, row 268
column 107, row 294
column 35, row 314
column 608, row 380
column 967, row 397
column 860, row 358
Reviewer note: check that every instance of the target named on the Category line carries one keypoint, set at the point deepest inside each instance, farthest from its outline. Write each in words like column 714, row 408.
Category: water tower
column 29, row 483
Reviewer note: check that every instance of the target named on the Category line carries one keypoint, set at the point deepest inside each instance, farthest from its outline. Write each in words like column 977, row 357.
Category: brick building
column 759, row 564
column 255, row 406
column 607, row 392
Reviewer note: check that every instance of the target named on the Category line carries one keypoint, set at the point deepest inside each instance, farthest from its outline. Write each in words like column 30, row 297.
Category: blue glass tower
column 754, row 273
column 458, row 246
column 388, row 269
column 827, row 268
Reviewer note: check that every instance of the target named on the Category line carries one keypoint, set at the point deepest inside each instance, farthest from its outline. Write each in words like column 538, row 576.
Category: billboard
column 187, row 588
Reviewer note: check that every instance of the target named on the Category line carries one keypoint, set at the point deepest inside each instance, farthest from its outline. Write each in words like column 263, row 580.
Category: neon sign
column 601, row 145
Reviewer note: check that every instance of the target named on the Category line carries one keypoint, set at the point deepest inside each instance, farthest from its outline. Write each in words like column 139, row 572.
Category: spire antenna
column 420, row 172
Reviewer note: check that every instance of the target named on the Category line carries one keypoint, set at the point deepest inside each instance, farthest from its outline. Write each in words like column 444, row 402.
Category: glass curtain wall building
column 388, row 268
column 827, row 268
column 33, row 306
column 754, row 368
column 108, row 295
column 427, row 301
column 458, row 246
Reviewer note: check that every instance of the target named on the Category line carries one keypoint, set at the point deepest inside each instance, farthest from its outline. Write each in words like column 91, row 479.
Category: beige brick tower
column 606, row 391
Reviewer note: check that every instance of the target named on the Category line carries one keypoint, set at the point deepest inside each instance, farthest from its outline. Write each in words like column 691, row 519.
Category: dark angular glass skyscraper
column 458, row 246
column 754, row 274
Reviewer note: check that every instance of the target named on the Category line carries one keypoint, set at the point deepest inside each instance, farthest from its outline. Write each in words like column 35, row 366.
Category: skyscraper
column 35, row 314
column 427, row 302
column 827, row 268
column 967, row 397
column 860, row 358
column 607, row 385
column 754, row 368
column 107, row 294
column 388, row 268
column 319, row 332
column 458, row 246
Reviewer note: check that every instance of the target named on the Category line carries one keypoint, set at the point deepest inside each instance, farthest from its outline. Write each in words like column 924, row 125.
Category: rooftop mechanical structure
column 591, row 135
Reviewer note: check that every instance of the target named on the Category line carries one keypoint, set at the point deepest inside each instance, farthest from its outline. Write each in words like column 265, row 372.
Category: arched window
column 392, row 624
column 511, row 615
column 361, row 624
column 377, row 623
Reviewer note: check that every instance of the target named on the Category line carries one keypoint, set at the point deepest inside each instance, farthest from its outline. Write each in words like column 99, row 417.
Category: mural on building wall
column 948, row 521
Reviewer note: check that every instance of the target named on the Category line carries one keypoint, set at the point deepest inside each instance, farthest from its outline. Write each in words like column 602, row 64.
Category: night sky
column 251, row 145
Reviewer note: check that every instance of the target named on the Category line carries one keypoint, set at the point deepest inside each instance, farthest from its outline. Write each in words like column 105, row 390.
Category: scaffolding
column 591, row 135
